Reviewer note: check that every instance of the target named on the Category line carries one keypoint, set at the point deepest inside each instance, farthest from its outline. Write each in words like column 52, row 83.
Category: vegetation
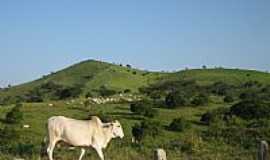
column 144, row 108
column 15, row 115
column 146, row 128
column 178, row 124
column 201, row 114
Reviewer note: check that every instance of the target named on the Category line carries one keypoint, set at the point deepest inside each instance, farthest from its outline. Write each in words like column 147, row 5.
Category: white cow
column 82, row 133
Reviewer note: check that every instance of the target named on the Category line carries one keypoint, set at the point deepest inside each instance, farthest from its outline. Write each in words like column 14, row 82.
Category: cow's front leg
column 82, row 153
column 100, row 153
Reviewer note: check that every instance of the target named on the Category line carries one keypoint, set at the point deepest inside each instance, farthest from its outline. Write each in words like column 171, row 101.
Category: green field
column 91, row 75
column 36, row 116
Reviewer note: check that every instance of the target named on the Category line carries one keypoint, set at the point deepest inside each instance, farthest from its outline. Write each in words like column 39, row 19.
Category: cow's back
column 74, row 132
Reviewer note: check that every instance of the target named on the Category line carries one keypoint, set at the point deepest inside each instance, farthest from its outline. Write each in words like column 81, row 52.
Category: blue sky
column 37, row 36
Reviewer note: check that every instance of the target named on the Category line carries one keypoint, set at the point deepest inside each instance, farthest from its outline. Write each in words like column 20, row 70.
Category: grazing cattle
column 82, row 133
column 26, row 126
column 160, row 154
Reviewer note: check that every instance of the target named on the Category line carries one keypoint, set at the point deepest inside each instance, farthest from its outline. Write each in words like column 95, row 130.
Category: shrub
column 127, row 91
column 155, row 95
column 88, row 94
column 215, row 115
column 221, row 88
column 34, row 96
column 15, row 115
column 249, row 95
column 144, row 108
column 104, row 91
column 250, row 84
column 68, row 92
column 175, row 99
column 201, row 99
column 228, row 99
column 146, row 128
column 7, row 134
column 134, row 72
column 178, row 124
column 251, row 109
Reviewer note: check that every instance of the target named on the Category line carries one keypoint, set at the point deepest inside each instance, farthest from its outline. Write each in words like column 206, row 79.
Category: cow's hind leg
column 82, row 153
column 51, row 148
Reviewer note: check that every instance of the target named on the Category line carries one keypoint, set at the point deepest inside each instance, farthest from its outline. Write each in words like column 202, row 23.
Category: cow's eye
column 118, row 126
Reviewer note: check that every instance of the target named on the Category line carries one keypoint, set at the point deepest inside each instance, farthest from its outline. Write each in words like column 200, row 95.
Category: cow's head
column 117, row 129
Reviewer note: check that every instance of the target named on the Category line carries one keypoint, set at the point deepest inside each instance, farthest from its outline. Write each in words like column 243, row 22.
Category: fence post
column 263, row 150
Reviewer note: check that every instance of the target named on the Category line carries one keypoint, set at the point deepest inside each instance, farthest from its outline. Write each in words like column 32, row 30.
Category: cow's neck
column 107, row 132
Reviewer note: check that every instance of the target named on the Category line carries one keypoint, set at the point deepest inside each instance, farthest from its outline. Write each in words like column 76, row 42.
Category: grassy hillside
column 91, row 75
column 230, row 76
column 226, row 136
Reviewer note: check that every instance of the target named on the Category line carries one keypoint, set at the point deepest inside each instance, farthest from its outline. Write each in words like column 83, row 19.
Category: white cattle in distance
column 82, row 133
column 160, row 154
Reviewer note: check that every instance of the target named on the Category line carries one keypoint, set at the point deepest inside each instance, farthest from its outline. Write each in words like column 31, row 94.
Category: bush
column 127, row 91
column 34, row 96
column 228, row 99
column 68, row 92
column 104, row 91
column 146, row 128
column 15, row 115
column 175, row 99
column 200, row 100
column 249, row 95
column 7, row 134
column 251, row 109
column 178, row 124
column 215, row 115
column 88, row 94
column 221, row 88
column 144, row 108
column 155, row 95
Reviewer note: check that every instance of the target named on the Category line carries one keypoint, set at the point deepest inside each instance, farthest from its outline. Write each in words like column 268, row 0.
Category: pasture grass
column 36, row 115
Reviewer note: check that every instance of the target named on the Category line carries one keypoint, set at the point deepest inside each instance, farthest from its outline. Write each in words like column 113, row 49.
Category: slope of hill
column 209, row 76
column 93, row 74
column 90, row 75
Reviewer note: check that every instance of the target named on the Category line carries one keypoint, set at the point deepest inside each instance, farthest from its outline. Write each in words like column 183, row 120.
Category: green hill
column 206, row 129
column 209, row 76
column 91, row 75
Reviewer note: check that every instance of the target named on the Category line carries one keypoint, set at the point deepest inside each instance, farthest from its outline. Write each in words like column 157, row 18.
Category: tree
column 228, row 99
column 144, row 108
column 128, row 66
column 204, row 67
column 15, row 115
column 251, row 109
column 178, row 124
column 88, row 94
column 127, row 91
column 175, row 99
column 146, row 128
column 104, row 91
column 200, row 99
